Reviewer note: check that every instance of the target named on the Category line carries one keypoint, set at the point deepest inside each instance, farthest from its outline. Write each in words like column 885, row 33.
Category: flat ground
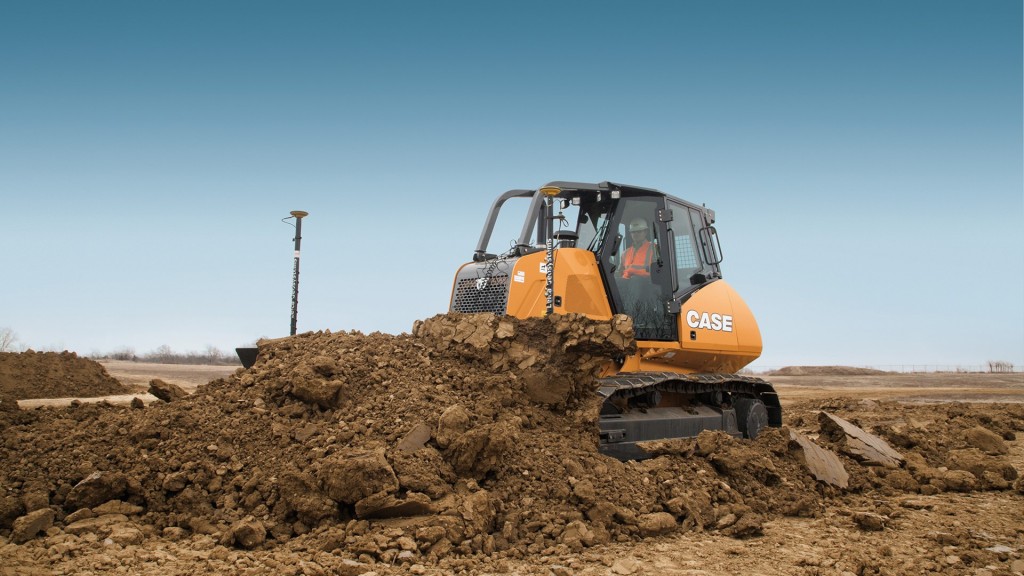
column 189, row 376
column 924, row 387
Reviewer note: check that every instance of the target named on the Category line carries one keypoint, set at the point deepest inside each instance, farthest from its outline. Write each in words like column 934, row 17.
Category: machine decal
column 719, row 322
column 519, row 277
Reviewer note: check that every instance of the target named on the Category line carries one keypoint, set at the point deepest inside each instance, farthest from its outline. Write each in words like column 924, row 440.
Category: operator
column 636, row 260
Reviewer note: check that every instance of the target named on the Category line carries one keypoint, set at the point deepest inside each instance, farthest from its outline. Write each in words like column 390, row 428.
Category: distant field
column 189, row 376
column 927, row 387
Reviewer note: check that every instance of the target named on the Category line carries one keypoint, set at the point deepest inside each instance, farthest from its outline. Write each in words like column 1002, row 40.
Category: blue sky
column 864, row 159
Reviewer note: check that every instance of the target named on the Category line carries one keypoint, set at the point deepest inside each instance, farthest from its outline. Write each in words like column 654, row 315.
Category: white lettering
column 691, row 318
column 709, row 321
column 716, row 321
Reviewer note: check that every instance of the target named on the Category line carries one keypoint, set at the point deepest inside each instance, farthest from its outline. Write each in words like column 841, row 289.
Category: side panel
column 718, row 334
column 577, row 283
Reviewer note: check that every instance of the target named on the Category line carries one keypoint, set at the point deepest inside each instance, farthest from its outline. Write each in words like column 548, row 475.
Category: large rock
column 986, row 440
column 95, row 489
column 478, row 513
column 857, row 443
column 415, row 439
column 824, row 464
column 870, row 521
column 166, row 391
column 656, row 523
column 452, row 423
column 126, row 534
column 248, row 533
column 28, row 526
column 383, row 505
column 482, row 449
column 960, row 481
column 312, row 388
column 99, row 525
column 11, row 508
column 351, row 475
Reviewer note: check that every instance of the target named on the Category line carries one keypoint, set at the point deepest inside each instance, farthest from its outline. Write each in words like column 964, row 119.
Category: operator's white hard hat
column 637, row 225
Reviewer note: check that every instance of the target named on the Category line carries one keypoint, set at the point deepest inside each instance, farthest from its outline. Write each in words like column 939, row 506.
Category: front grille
column 481, row 294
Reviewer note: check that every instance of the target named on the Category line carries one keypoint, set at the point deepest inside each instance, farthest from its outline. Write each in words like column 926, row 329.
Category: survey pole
column 298, row 215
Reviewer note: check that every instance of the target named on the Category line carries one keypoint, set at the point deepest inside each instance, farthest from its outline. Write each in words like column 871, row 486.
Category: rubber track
column 630, row 384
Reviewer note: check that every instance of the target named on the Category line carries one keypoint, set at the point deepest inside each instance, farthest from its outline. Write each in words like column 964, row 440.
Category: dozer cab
column 605, row 249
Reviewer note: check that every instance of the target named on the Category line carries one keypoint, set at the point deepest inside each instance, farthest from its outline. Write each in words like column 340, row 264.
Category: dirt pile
column 473, row 438
column 54, row 375
column 825, row 371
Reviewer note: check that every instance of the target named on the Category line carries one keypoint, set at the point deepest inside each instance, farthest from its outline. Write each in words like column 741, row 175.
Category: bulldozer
column 605, row 249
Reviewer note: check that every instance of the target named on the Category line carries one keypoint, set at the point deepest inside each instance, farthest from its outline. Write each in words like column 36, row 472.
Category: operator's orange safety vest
column 637, row 261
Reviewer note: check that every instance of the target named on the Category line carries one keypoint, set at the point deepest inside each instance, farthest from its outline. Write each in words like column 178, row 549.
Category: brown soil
column 470, row 447
column 54, row 375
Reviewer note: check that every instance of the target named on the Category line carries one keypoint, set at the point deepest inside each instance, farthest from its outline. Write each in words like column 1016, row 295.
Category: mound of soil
column 470, row 441
column 825, row 371
column 54, row 375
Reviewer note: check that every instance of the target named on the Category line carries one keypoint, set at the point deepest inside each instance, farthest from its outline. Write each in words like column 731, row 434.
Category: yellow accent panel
column 577, row 281
column 726, row 335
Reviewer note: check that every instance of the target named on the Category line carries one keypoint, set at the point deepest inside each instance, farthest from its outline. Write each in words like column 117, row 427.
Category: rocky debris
column 166, row 391
column 822, row 463
column 101, row 525
column 986, row 440
column 11, row 507
column 416, row 439
column 352, row 475
column 28, row 526
column 656, row 523
column 30, row 374
column 870, row 521
column 247, row 533
column 96, row 489
column 858, row 443
column 116, row 507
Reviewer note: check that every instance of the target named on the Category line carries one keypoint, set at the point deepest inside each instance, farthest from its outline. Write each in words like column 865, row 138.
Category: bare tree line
column 1000, row 366
column 165, row 355
column 8, row 340
column 212, row 355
